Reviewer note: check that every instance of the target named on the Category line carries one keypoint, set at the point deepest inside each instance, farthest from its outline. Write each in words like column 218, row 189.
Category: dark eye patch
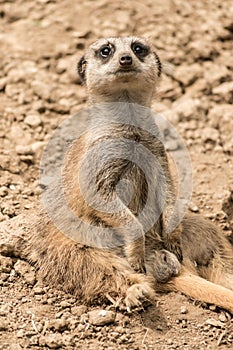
column 140, row 50
column 105, row 51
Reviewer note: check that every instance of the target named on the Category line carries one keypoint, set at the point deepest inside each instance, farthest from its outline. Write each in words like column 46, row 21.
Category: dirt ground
column 40, row 44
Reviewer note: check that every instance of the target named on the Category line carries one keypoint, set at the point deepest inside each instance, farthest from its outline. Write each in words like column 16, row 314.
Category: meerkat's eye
column 105, row 51
column 140, row 50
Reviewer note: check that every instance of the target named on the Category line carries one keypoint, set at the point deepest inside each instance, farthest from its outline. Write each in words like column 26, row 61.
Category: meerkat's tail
column 203, row 290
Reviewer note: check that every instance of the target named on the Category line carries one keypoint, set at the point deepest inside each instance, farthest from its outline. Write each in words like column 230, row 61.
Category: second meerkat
column 134, row 250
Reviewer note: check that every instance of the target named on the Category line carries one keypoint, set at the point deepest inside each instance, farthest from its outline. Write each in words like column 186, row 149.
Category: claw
column 137, row 293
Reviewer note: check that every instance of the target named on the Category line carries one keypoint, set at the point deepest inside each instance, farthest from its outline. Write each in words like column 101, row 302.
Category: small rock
column 101, row 317
column 26, row 271
column 30, row 334
column 38, row 291
column 222, row 318
column 11, row 90
column 3, row 325
column 210, row 134
column 120, row 329
column 59, row 324
column 5, row 264
column 3, row 217
column 19, row 136
column 22, row 267
column 62, row 65
column 3, row 311
column 53, row 341
column 187, row 74
column 81, row 327
column 41, row 89
column 183, row 310
column 215, row 74
column 214, row 323
column 32, row 120
column 3, row 82
column 224, row 89
column 64, row 304
column 194, row 208
column 170, row 89
column 37, row 146
column 78, row 310
column 23, row 149
column 3, row 191
column 188, row 109
column 81, row 34
column 33, row 341
column 20, row 333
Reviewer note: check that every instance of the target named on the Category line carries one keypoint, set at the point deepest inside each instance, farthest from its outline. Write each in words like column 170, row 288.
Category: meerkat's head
column 120, row 69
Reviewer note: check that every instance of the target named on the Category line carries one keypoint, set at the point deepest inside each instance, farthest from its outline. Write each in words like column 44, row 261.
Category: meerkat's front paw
column 166, row 266
column 138, row 264
column 138, row 293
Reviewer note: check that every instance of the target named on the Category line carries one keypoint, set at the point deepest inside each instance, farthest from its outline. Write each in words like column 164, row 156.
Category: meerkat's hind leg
column 201, row 289
column 220, row 274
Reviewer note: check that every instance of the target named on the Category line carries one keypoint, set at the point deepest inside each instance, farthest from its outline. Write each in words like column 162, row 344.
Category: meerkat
column 119, row 248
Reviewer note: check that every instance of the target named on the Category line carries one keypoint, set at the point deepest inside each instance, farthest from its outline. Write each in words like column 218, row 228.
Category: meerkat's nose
column 126, row 60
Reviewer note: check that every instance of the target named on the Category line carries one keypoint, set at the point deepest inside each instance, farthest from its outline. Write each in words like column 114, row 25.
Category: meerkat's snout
column 126, row 60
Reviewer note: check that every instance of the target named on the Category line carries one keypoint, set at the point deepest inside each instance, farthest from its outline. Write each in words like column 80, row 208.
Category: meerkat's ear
column 82, row 68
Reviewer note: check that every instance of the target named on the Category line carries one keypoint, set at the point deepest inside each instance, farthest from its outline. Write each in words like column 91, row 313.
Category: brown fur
column 207, row 268
column 91, row 272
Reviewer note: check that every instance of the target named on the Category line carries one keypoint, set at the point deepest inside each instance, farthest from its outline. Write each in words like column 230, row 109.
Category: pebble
column 32, row 120
column 4, row 311
column 3, row 82
column 188, row 109
column 64, row 304
column 59, row 324
column 3, row 325
column 41, row 89
column 222, row 318
column 78, row 310
column 3, row 217
column 3, row 191
column 224, row 89
column 19, row 136
column 61, row 66
column 101, row 317
column 53, row 341
column 183, row 310
column 5, row 264
column 210, row 134
column 38, row 291
column 214, row 323
column 194, row 208
column 20, row 333
column 187, row 74
column 26, row 271
column 216, row 73
column 23, row 149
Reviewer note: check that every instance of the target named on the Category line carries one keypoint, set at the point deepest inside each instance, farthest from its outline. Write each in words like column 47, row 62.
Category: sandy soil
column 40, row 44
